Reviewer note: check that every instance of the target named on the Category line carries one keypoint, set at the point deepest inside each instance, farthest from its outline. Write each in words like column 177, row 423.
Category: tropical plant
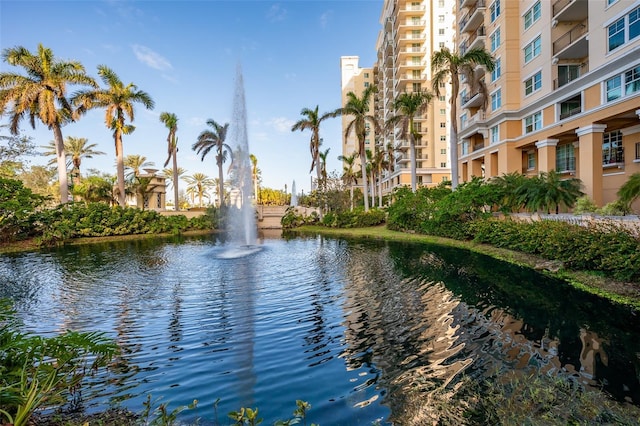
column 198, row 184
column 42, row 94
column 118, row 100
column 312, row 122
column 358, row 107
column 76, row 149
column 17, row 206
column 209, row 139
column 133, row 164
column 506, row 187
column 448, row 66
column 630, row 190
column 408, row 107
column 93, row 189
column 348, row 174
column 549, row 192
column 378, row 164
column 170, row 120
column 40, row 372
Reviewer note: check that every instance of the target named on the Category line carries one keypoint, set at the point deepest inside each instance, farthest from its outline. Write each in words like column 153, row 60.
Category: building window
column 632, row 80
column 612, row 151
column 495, row 10
column 497, row 70
column 415, row 74
column 637, row 151
column 614, row 86
column 443, row 138
column 441, row 44
column 531, row 160
column 565, row 158
column 463, row 120
column 532, row 49
column 494, row 135
column 495, row 39
column 443, row 111
column 496, row 100
column 533, row 83
column 417, row 127
column 441, row 31
column 532, row 15
column 440, row 3
column 443, row 151
column 443, row 84
column 443, row 124
column 442, row 98
column 366, row 84
column 533, row 122
column 443, row 165
column 366, row 75
column 624, row 29
column 465, row 147
column 417, row 87
column 610, row 2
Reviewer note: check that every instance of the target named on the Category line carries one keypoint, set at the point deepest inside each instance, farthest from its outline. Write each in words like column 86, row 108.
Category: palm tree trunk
column 453, row 135
column 120, row 169
column 365, row 189
column 414, row 163
column 62, row 164
column 220, row 185
column 351, row 191
column 175, row 180
column 380, row 190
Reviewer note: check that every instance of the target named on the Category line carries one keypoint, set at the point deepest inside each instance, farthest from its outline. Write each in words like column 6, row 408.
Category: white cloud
column 324, row 18
column 276, row 13
column 151, row 58
column 281, row 124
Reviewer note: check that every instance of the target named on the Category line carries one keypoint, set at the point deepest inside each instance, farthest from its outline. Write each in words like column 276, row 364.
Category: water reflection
column 364, row 331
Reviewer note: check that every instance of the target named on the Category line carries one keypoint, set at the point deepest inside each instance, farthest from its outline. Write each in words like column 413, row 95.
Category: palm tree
column 198, row 184
column 168, row 174
column 254, row 175
column 630, row 190
column 134, row 163
column 506, row 187
column 312, row 122
column 208, row 140
column 118, row 100
column 548, row 192
column 170, row 120
column 323, row 168
column 448, row 65
column 348, row 174
column 75, row 149
column 358, row 107
column 378, row 164
column 408, row 106
column 42, row 94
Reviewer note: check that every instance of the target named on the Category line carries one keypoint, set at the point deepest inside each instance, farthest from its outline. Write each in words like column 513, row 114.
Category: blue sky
column 185, row 55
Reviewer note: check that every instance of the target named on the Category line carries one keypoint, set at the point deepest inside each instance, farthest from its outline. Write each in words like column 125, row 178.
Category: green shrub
column 18, row 206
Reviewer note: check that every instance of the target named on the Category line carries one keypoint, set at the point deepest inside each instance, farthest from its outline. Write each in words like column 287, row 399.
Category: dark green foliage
column 75, row 220
column 17, row 207
column 292, row 219
column 606, row 247
column 38, row 372
column 354, row 219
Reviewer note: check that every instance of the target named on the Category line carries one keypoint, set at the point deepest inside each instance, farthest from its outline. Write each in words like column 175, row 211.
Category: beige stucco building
column 411, row 31
column 565, row 94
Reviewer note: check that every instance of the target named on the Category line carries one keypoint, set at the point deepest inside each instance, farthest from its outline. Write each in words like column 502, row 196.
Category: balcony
column 613, row 157
column 473, row 18
column 570, row 107
column 466, row 3
column 410, row 23
column 569, row 72
column 477, row 118
column 471, row 101
column 411, row 9
column 570, row 10
column 476, row 40
column 573, row 44
column 410, row 37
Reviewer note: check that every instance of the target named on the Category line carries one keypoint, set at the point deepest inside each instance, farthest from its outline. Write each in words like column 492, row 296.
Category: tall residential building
column 564, row 95
column 411, row 31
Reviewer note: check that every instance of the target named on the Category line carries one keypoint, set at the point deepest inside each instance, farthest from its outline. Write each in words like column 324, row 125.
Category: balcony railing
column 467, row 16
column 569, row 113
column 569, row 37
column 613, row 156
column 559, row 5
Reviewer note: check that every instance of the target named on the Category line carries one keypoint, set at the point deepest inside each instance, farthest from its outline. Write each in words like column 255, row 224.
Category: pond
column 357, row 328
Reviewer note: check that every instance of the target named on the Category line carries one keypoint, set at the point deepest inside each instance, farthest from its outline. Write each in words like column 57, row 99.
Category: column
column 590, row 160
column 546, row 155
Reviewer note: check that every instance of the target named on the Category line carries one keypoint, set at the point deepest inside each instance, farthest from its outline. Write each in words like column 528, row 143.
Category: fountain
column 241, row 222
column 294, row 196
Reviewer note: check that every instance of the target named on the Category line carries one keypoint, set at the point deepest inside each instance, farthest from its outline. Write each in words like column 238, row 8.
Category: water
column 363, row 331
column 242, row 222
